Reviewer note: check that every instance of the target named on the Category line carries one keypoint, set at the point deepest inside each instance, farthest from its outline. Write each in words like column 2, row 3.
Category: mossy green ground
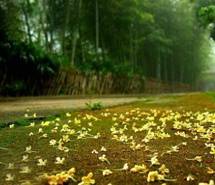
column 13, row 143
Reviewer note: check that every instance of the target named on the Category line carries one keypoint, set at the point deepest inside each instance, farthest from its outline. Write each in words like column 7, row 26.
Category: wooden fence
column 78, row 83
column 153, row 86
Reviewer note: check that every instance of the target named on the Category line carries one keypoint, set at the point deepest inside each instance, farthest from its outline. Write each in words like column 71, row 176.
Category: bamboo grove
column 162, row 39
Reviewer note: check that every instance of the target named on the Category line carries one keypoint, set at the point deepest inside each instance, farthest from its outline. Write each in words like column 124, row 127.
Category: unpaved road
column 15, row 108
column 51, row 104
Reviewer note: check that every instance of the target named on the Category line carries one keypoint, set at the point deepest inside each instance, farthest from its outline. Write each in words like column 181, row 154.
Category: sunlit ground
column 160, row 142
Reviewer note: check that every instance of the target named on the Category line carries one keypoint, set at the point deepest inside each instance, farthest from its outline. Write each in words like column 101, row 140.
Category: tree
column 158, row 39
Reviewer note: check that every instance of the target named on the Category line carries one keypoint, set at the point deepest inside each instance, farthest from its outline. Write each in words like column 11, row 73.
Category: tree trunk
column 182, row 73
column 74, row 44
column 76, row 34
column 97, row 27
column 43, row 24
column 131, row 44
column 158, row 71
column 172, row 73
column 51, row 28
column 135, row 64
column 65, row 26
column 165, row 70
column 25, row 9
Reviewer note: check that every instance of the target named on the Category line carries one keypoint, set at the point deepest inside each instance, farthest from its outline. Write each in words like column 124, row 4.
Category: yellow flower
column 10, row 166
column 90, row 124
column 122, row 117
column 87, row 180
column 52, row 142
column 174, row 149
column 154, row 161
column 197, row 158
column 163, row 169
column 45, row 123
column 9, row 177
column 211, row 182
column 44, row 136
column 103, row 158
column 154, row 176
column 41, row 162
column 77, row 121
column 25, row 158
column 106, row 172
column 125, row 167
column 59, row 160
column 98, row 135
column 52, row 180
column 71, row 132
column 114, row 118
column 31, row 134
column 26, row 183
column 210, row 170
column 94, row 151
column 190, row 178
column 212, row 151
column 103, row 149
column 60, row 178
column 57, row 119
column 139, row 169
column 66, row 138
column 28, row 149
column 71, row 172
column 11, row 126
column 68, row 114
column 40, row 130
column 32, row 124
column 25, row 169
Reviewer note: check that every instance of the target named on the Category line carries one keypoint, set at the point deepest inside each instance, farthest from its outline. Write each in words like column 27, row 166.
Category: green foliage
column 19, row 122
column 100, row 62
column 22, row 122
column 207, row 15
column 205, row 10
column 124, row 69
column 10, row 21
column 28, row 56
column 94, row 106
column 97, row 61
column 211, row 95
column 24, row 63
column 157, row 39
column 14, row 88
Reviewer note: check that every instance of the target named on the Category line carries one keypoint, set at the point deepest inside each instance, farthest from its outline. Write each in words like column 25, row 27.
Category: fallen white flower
column 106, row 172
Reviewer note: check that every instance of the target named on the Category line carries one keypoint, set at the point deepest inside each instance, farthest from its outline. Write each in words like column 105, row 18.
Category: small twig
column 170, row 180
column 2, row 148
column 1, row 163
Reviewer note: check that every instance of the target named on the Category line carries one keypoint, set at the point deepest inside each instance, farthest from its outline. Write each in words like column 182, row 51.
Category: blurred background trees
column 163, row 39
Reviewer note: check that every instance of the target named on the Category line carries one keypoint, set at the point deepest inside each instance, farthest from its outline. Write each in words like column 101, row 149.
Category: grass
column 179, row 131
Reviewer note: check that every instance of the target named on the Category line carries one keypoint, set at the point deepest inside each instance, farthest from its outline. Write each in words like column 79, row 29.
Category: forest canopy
column 163, row 39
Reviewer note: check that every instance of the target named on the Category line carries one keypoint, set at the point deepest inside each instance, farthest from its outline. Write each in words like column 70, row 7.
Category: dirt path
column 9, row 110
column 50, row 104
column 14, row 108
